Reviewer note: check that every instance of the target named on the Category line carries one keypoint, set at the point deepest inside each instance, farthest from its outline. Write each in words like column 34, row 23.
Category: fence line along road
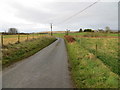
column 17, row 38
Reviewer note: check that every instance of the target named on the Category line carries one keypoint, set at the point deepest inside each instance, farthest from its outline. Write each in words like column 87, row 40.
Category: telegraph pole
column 67, row 31
column 51, row 28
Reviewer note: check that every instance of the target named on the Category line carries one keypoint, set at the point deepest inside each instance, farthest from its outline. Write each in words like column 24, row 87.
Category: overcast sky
column 36, row 15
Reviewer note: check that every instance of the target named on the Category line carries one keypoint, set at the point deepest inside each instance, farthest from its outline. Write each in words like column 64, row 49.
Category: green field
column 106, row 50
column 88, row 34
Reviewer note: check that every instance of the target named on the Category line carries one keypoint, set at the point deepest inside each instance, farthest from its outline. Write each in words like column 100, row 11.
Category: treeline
column 107, row 30
column 5, row 33
column 14, row 31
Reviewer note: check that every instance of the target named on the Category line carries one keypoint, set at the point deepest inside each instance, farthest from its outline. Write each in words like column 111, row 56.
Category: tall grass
column 107, row 50
column 88, row 71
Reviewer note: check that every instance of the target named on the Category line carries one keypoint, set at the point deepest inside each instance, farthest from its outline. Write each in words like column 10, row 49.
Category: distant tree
column 88, row 30
column 13, row 31
column 107, row 29
column 80, row 30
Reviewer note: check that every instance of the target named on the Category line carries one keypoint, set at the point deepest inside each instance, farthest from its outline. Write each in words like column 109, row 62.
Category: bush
column 88, row 30
column 69, row 38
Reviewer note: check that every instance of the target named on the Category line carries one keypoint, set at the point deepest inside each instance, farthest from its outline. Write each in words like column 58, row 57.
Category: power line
column 80, row 11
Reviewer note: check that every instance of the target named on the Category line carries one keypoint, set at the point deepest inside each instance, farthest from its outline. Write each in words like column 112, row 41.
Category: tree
column 80, row 30
column 88, row 30
column 107, row 29
column 13, row 31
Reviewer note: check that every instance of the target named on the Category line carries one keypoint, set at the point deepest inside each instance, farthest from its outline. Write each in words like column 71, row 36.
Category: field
column 11, row 39
column 105, row 49
column 15, row 52
column 93, row 60
column 87, row 34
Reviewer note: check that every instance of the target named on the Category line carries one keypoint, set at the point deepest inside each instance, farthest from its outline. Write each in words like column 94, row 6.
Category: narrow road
column 46, row 69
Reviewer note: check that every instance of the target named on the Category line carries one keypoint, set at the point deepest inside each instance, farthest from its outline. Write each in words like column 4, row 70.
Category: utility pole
column 51, row 28
column 67, row 31
column 18, row 37
column 27, row 36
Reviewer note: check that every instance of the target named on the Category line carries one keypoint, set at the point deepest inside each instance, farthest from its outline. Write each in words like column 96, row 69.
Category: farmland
column 106, row 49
column 11, row 39
column 87, row 34
column 93, row 60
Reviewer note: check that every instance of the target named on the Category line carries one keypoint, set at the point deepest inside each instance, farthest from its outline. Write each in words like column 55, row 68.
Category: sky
column 36, row 15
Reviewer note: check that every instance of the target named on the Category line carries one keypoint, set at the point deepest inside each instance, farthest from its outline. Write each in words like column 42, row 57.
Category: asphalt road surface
column 46, row 69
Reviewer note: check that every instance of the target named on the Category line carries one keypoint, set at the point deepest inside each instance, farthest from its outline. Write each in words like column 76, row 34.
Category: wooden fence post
column 27, row 37
column 18, row 38
column 96, row 48
column 2, row 40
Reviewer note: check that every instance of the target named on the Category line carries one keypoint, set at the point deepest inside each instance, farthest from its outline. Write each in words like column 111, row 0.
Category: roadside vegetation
column 87, row 69
column 105, row 49
column 93, row 59
column 19, row 51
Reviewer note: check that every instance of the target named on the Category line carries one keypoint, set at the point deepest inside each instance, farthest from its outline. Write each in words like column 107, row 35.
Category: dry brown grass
column 12, row 40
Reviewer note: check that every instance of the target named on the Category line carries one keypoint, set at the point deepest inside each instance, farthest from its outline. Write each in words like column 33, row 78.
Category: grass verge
column 88, row 71
column 106, row 50
column 15, row 52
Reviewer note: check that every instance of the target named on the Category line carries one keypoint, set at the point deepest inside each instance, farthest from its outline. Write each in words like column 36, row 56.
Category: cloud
column 34, row 15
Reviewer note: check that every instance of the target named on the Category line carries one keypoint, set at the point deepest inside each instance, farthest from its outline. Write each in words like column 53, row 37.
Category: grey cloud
column 98, row 16
column 31, row 14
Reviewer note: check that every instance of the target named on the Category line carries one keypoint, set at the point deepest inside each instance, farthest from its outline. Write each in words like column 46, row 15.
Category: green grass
column 16, row 52
column 87, row 34
column 107, row 50
column 87, row 70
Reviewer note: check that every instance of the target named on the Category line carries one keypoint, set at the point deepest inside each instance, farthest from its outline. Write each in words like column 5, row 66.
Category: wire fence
column 17, row 38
